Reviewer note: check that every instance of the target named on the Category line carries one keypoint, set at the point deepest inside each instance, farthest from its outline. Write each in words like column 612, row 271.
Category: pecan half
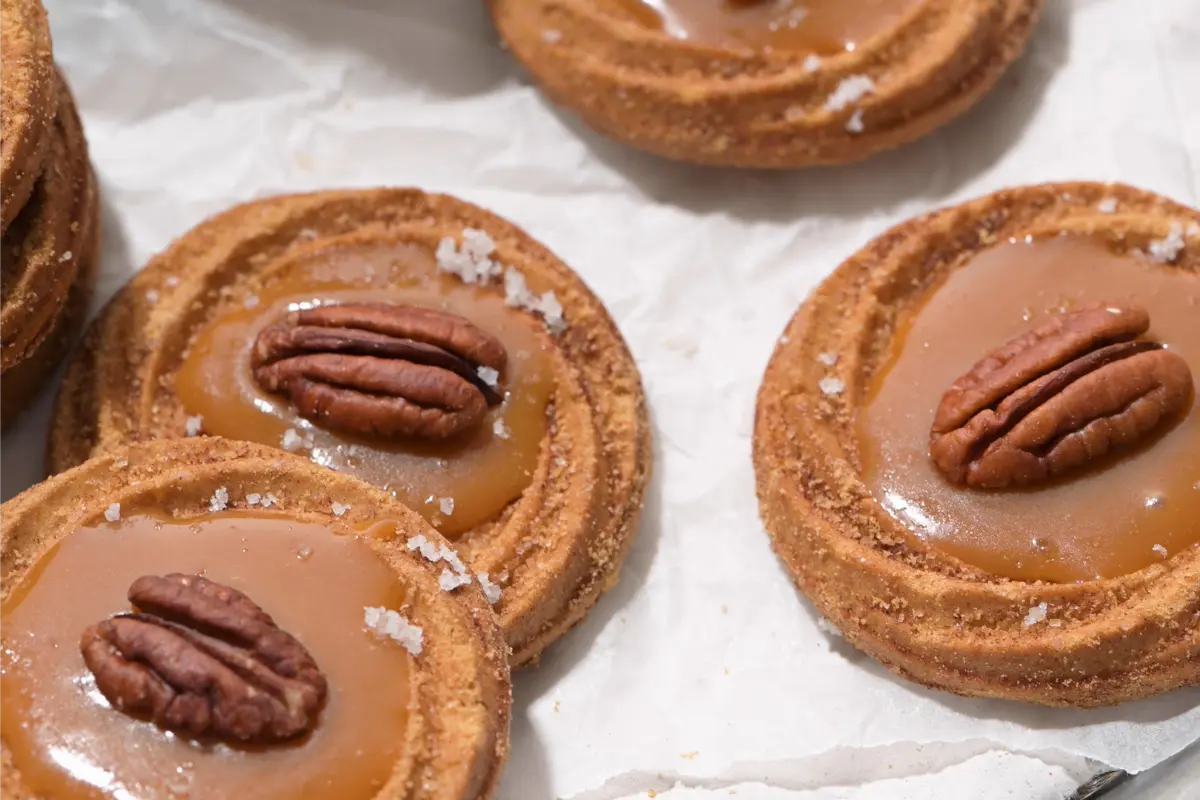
column 203, row 659
column 1056, row 398
column 381, row 370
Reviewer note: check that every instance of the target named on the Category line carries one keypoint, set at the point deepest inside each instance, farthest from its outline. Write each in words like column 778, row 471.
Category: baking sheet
column 703, row 667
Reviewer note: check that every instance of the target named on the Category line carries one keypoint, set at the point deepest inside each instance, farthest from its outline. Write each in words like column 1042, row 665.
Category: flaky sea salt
column 490, row 590
column 268, row 500
column 1107, row 206
column 251, row 301
column 1035, row 615
column 489, row 376
column 849, row 91
column 220, row 500
column 1162, row 551
column 472, row 260
column 338, row 509
column 450, row 580
column 388, row 624
column 812, row 62
column 253, row 498
column 551, row 36
column 446, row 505
column 152, row 296
column 293, row 441
column 1166, row 250
column 113, row 512
column 855, row 123
column 434, row 553
column 831, row 386
column 828, row 359
column 500, row 430
column 66, row 256
column 193, row 425
column 171, row 281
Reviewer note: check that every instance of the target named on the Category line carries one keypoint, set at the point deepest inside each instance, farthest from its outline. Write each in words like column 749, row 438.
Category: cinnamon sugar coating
column 749, row 108
column 459, row 741
column 28, row 98
column 560, row 544
column 923, row 613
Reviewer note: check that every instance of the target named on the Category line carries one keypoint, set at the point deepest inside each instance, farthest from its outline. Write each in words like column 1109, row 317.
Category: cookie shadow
column 528, row 774
column 932, row 169
column 22, row 449
column 448, row 47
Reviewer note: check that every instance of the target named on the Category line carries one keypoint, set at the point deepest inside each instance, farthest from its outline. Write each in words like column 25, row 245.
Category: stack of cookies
column 48, row 211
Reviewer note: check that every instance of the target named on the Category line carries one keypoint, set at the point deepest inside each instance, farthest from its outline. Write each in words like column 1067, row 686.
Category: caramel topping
column 822, row 27
column 70, row 743
column 456, row 483
column 1114, row 515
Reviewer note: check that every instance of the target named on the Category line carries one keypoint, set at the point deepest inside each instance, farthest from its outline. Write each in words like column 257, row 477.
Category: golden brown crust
column 456, row 742
column 561, row 543
column 922, row 613
column 21, row 385
column 28, row 99
column 749, row 109
column 41, row 249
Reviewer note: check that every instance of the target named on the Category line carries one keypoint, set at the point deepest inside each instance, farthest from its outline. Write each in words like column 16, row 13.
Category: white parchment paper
column 703, row 667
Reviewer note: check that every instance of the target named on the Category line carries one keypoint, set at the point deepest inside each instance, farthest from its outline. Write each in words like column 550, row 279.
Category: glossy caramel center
column 456, row 484
column 1130, row 510
column 69, row 743
column 809, row 26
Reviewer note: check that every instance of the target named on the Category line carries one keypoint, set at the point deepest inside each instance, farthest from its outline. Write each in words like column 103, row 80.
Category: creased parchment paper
column 703, row 667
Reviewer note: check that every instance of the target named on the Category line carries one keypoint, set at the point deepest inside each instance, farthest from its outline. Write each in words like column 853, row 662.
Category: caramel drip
column 823, row 27
column 1130, row 510
column 456, row 484
column 68, row 742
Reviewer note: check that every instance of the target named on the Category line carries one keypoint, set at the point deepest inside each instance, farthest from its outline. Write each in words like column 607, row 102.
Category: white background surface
column 703, row 667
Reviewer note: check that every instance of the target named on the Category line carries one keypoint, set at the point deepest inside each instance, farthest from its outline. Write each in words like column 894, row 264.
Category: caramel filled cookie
column 978, row 446
column 208, row 618
column 765, row 84
column 412, row 340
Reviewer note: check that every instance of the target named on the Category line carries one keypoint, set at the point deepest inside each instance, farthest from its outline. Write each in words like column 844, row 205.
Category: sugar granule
column 113, row 512
column 251, row 301
column 489, row 376
column 152, row 296
column 828, row 359
column 551, row 36
column 812, row 62
column 220, row 500
column 1107, row 206
column 490, row 590
column 1035, row 615
column 850, row 90
column 338, row 509
column 1166, row 250
column 855, row 123
column 193, row 425
column 388, row 624
column 500, row 430
column 831, row 386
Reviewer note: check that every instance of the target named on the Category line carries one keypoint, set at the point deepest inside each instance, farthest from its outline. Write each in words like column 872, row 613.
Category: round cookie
column 454, row 737
column 28, row 98
column 51, row 257
column 768, row 108
column 923, row 611
column 556, row 546
column 41, row 250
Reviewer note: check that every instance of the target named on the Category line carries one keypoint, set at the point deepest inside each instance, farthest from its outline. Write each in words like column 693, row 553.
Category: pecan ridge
column 1058, row 397
column 202, row 659
column 380, row 369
